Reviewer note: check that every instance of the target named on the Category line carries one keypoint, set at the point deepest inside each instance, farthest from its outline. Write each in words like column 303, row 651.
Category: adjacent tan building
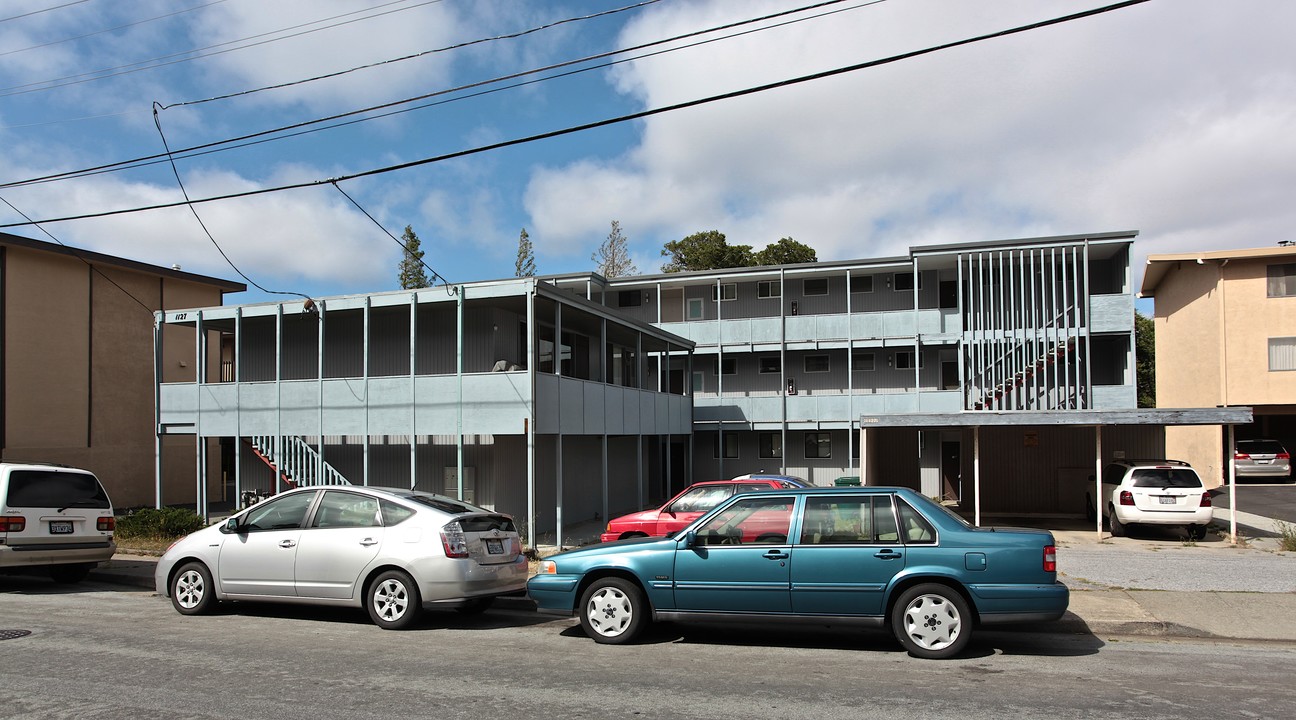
column 77, row 361
column 1225, row 336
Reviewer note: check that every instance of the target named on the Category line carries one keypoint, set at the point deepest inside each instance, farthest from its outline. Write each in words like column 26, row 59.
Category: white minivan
column 54, row 517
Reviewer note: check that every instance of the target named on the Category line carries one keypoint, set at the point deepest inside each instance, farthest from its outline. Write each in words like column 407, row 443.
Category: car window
column 753, row 487
column 914, row 527
column 1260, row 447
column 53, row 489
column 748, row 521
column 280, row 513
column 701, row 499
column 841, row 520
column 1113, row 474
column 394, row 514
column 1166, row 478
column 346, row 510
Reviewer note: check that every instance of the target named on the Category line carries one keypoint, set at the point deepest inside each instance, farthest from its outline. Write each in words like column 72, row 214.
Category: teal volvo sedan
column 885, row 557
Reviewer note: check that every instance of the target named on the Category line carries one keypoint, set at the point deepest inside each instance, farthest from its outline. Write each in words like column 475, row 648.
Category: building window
column 770, row 365
column 699, row 384
column 814, row 286
column 769, row 289
column 904, row 359
column 861, row 283
column 728, row 366
column 905, row 281
column 1282, row 280
column 816, row 363
column 1282, row 354
column 726, row 292
column 818, row 445
column 730, row 445
column 695, row 310
column 629, row 298
column 862, row 361
column 771, row 445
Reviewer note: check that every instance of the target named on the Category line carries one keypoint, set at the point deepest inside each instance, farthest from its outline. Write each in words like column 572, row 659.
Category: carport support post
column 1098, row 479
column 976, row 474
column 1232, row 479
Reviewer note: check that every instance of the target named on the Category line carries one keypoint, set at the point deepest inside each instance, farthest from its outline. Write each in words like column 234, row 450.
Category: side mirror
column 687, row 540
column 231, row 526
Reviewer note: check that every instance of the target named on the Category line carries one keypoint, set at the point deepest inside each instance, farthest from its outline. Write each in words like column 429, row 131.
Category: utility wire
column 142, row 65
column 79, row 256
column 43, row 10
column 621, row 119
column 189, row 203
column 404, row 247
column 111, row 29
column 216, row 146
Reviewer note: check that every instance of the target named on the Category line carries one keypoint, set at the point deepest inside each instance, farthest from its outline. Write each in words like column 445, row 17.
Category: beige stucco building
column 77, row 362
column 1225, row 336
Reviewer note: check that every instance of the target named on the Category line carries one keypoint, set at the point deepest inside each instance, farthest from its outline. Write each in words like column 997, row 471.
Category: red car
column 689, row 505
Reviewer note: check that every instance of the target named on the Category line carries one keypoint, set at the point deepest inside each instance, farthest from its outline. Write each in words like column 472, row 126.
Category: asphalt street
column 1274, row 500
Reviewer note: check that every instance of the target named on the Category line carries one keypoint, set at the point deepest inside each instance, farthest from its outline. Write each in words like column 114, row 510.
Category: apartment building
column 511, row 394
column 76, row 359
column 1225, row 336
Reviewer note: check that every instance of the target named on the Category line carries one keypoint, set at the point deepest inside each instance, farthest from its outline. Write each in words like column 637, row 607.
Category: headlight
column 548, row 567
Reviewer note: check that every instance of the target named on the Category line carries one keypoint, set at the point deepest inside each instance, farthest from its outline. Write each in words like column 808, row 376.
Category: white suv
column 1155, row 492
column 55, row 517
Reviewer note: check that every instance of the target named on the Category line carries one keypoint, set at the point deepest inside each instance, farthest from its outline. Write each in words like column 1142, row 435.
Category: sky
column 1174, row 118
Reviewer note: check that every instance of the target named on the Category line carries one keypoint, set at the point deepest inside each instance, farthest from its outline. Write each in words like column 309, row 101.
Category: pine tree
column 525, row 265
column 613, row 256
column 411, row 264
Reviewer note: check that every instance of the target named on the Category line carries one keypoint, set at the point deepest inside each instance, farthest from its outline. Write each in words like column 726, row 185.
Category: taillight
column 1050, row 558
column 1283, row 456
column 1241, row 456
column 454, row 541
column 12, row 523
column 108, row 523
column 1126, row 497
column 1205, row 501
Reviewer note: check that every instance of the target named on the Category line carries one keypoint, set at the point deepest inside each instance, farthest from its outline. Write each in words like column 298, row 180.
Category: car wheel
column 1196, row 532
column 613, row 611
column 192, row 591
column 68, row 574
column 932, row 621
column 476, row 606
column 1118, row 528
column 393, row 600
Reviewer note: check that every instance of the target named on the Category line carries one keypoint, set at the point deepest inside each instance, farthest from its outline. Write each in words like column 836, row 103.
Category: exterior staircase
column 294, row 462
column 992, row 396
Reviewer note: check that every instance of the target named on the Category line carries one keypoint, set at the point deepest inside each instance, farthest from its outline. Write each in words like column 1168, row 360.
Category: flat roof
column 228, row 286
column 1138, row 416
column 1158, row 265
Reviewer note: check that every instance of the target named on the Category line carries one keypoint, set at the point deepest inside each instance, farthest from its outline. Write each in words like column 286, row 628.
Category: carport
column 1097, row 419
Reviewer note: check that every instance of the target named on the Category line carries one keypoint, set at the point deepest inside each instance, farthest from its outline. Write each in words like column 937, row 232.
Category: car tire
column 70, row 574
column 476, row 606
column 613, row 611
column 192, row 590
column 932, row 621
column 393, row 601
column 1118, row 528
column 1196, row 532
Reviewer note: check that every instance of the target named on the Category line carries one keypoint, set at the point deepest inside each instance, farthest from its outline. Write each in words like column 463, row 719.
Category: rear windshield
column 52, row 489
column 445, row 504
column 1260, row 447
column 1166, row 478
column 487, row 523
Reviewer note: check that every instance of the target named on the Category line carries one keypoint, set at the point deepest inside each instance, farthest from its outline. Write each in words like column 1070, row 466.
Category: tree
column 786, row 252
column 1145, row 359
column 613, row 256
column 411, row 264
column 525, row 265
column 705, row 251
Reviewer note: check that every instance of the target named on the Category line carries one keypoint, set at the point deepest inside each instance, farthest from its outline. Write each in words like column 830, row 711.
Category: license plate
column 494, row 546
column 1263, row 462
column 60, row 527
column 1168, row 500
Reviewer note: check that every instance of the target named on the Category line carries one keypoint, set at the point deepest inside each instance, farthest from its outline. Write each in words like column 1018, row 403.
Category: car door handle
column 886, row 554
column 368, row 541
column 287, row 544
column 775, row 555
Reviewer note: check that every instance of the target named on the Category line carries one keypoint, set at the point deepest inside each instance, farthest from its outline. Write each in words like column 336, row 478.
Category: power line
column 44, row 10
column 111, row 29
column 404, row 247
column 216, row 146
column 617, row 120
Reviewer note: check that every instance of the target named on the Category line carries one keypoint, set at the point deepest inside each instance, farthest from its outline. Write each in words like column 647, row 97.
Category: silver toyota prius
column 393, row 551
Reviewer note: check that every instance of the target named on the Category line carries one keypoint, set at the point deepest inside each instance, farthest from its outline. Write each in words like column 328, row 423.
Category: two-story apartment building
column 511, row 394
column 1225, row 336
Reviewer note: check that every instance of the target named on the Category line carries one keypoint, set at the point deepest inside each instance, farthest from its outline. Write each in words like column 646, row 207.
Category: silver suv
column 54, row 517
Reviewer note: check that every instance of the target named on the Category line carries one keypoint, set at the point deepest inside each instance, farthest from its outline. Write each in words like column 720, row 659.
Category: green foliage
column 786, row 252
column 1286, row 537
column 153, row 523
column 412, row 276
column 613, row 256
column 525, row 265
column 1145, row 360
column 707, row 250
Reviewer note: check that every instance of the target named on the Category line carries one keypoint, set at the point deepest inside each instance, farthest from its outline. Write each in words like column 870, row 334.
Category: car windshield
column 929, row 504
column 701, row 499
column 1259, row 447
column 1166, row 478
